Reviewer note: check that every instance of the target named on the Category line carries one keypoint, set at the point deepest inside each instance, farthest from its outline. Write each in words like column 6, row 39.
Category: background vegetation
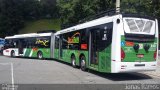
column 25, row 16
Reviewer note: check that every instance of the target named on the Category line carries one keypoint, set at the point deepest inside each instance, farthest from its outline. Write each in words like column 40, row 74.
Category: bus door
column 100, row 46
column 94, row 48
column 21, row 46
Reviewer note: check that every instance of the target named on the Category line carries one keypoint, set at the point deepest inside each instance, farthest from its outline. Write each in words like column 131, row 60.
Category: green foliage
column 49, row 8
column 146, row 7
column 39, row 25
column 10, row 17
column 13, row 13
column 72, row 11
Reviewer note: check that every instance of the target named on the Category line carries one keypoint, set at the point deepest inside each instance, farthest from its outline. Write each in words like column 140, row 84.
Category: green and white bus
column 109, row 44
column 29, row 45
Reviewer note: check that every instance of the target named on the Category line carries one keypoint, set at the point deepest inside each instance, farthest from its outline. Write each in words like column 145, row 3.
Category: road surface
column 34, row 71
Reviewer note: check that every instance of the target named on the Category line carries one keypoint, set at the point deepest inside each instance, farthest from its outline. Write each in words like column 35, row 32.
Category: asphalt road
column 33, row 71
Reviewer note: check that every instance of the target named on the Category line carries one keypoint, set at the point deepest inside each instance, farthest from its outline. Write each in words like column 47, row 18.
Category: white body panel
column 116, row 44
column 7, row 52
column 130, row 66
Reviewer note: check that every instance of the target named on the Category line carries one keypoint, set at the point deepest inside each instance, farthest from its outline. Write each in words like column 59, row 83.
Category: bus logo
column 42, row 42
column 74, row 38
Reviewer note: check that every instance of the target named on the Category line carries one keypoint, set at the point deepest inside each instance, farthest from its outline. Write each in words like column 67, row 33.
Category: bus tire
column 83, row 63
column 12, row 53
column 40, row 55
column 73, row 61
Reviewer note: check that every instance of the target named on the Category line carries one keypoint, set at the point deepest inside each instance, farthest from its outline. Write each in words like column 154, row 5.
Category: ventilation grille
column 139, row 25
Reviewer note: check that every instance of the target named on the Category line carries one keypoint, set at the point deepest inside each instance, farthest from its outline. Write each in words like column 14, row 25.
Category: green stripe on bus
column 27, row 53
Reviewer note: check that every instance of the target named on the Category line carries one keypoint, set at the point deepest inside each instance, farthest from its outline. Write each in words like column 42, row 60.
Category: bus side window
column 64, row 41
column 30, row 42
column 74, row 40
column 56, row 42
column 83, row 36
column 105, row 36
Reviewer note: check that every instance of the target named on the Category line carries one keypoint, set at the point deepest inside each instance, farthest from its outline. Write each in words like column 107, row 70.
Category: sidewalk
column 155, row 74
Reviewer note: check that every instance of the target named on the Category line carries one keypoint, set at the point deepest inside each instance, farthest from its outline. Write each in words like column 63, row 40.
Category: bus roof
column 99, row 21
column 88, row 24
column 28, row 35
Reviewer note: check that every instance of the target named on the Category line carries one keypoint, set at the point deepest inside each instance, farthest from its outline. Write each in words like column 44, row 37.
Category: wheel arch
column 39, row 52
column 11, row 52
column 82, row 54
column 72, row 55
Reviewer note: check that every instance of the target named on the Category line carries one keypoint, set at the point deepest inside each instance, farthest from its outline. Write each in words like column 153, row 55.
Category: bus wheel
column 73, row 61
column 40, row 55
column 12, row 53
column 83, row 63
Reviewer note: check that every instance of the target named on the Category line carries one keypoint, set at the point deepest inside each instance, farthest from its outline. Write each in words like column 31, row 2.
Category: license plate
column 140, row 55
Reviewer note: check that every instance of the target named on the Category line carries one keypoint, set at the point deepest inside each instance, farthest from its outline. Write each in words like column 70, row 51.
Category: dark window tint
column 64, row 41
column 105, row 37
column 74, row 40
column 10, row 43
column 102, row 36
column 84, row 39
column 71, row 40
column 42, row 42
column 57, row 42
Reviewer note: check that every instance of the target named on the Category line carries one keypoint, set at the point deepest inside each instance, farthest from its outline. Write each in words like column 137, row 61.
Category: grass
column 39, row 25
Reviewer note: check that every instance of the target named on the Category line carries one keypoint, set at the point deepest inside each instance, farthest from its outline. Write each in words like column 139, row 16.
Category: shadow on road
column 122, row 76
column 115, row 76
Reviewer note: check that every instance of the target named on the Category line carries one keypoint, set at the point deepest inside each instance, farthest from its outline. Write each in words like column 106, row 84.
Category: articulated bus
column 109, row 44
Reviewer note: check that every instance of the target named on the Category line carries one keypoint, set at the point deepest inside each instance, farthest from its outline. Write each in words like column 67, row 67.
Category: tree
column 31, row 9
column 10, row 17
column 72, row 11
column 146, row 7
column 13, row 13
column 49, row 8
